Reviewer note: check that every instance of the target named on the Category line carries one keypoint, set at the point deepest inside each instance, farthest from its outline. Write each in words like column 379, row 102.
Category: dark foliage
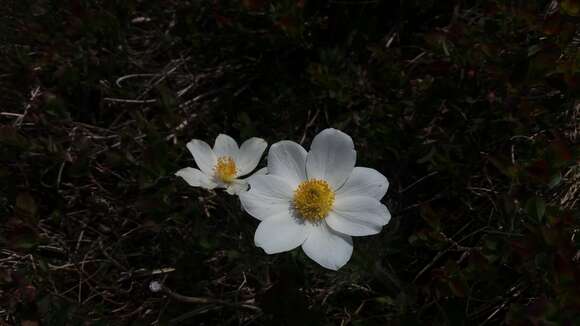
column 468, row 107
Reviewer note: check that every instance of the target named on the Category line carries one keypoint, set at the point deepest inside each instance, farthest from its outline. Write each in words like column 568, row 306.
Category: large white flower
column 222, row 166
column 316, row 199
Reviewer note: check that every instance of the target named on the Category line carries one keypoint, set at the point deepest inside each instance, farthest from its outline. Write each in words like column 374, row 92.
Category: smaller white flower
column 222, row 166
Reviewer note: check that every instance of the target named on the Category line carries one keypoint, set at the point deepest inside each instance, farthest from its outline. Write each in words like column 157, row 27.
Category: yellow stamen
column 313, row 199
column 225, row 169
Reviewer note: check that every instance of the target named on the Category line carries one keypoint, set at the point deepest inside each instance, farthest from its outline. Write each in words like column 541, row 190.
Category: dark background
column 468, row 107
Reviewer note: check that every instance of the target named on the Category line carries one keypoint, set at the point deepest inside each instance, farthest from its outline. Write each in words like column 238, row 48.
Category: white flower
column 316, row 199
column 223, row 166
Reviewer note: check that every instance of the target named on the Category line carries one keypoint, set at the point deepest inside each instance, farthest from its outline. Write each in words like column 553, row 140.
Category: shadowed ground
column 468, row 107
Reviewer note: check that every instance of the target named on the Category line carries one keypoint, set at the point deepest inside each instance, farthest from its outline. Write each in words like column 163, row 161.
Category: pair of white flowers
column 316, row 199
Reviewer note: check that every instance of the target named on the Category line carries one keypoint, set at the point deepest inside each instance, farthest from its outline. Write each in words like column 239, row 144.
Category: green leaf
column 21, row 236
column 11, row 137
column 571, row 7
column 555, row 181
column 458, row 287
column 536, row 208
column 386, row 300
column 26, row 207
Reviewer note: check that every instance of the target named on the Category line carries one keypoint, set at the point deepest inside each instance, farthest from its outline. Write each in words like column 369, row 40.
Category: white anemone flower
column 317, row 199
column 222, row 166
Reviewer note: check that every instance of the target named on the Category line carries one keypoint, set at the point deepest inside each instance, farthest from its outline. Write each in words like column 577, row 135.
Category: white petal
column 262, row 171
column 327, row 247
column 263, row 207
column 287, row 159
column 268, row 196
column 250, row 154
column 237, row 187
column 357, row 216
column 203, row 155
column 365, row 182
column 280, row 233
column 273, row 186
column 387, row 214
column 331, row 157
column 196, row 178
column 225, row 146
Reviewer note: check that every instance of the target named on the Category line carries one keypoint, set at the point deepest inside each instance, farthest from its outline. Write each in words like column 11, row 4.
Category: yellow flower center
column 313, row 199
column 225, row 169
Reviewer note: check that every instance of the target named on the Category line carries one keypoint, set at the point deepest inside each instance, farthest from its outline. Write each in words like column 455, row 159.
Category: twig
column 104, row 251
column 342, row 2
column 418, row 181
column 202, row 300
column 516, row 292
column 120, row 79
column 121, row 100
column 454, row 244
column 309, row 123
column 10, row 114
column 33, row 95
